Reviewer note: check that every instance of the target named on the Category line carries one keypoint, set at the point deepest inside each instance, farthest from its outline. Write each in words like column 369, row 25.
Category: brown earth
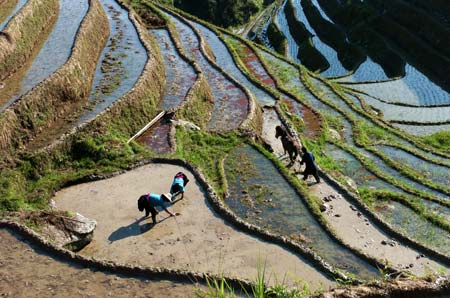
column 198, row 239
column 27, row 271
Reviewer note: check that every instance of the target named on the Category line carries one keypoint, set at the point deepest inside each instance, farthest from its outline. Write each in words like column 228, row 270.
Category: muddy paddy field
column 113, row 98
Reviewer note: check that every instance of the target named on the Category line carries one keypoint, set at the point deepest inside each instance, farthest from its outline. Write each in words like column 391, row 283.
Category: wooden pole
column 156, row 119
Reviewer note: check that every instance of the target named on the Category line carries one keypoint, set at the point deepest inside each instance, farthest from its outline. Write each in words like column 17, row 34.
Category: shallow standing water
column 226, row 62
column 18, row 6
column 259, row 194
column 416, row 227
column 121, row 62
column 57, row 48
column 413, row 88
column 180, row 75
column 231, row 103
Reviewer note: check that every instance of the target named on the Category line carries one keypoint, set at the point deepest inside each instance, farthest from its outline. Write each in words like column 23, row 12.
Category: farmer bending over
column 310, row 166
column 150, row 201
column 179, row 183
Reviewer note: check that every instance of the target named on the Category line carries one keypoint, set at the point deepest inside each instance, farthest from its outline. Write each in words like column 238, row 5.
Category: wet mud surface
column 199, row 239
column 28, row 271
column 157, row 138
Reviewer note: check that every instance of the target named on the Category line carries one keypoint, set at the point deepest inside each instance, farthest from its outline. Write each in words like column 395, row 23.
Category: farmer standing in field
column 310, row 165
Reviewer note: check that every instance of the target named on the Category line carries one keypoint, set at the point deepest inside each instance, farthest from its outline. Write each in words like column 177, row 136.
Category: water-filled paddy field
column 344, row 122
column 57, row 48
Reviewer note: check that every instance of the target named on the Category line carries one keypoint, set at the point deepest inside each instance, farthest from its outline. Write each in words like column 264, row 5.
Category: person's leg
column 154, row 212
column 316, row 175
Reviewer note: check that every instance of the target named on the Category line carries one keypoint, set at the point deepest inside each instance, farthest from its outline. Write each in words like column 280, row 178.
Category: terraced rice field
column 55, row 51
column 244, row 201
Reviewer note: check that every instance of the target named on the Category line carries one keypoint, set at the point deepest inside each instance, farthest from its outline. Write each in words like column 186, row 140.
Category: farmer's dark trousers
column 152, row 210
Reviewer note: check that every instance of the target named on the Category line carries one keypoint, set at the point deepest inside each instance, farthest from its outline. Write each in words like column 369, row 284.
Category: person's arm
column 170, row 212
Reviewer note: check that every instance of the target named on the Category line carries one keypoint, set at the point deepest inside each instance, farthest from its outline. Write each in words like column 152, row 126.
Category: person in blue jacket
column 310, row 165
column 179, row 183
column 150, row 201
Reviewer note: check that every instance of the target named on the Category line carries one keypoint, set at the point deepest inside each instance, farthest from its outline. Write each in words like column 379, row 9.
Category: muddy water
column 230, row 104
column 295, row 85
column 28, row 271
column 413, row 225
column 226, row 62
column 253, row 64
column 180, row 75
column 259, row 194
column 57, row 48
column 121, row 62
column 18, row 6
column 157, row 138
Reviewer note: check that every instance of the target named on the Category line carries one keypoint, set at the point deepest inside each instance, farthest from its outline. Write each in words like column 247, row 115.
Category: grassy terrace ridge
column 361, row 139
column 24, row 32
column 99, row 147
column 62, row 91
column 6, row 7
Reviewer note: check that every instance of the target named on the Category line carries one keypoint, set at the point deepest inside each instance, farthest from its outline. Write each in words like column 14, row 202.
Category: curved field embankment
column 6, row 11
column 417, row 52
column 27, row 263
column 233, row 107
column 418, row 22
column 437, row 287
column 23, row 32
column 61, row 92
column 121, row 62
column 255, row 65
column 308, row 54
column 198, row 240
column 131, row 112
column 356, row 20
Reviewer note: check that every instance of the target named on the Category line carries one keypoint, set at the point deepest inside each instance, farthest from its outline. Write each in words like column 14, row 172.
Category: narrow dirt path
column 197, row 240
column 355, row 229
column 27, row 271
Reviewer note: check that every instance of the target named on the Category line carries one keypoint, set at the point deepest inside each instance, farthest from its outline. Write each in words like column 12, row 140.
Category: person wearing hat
column 150, row 201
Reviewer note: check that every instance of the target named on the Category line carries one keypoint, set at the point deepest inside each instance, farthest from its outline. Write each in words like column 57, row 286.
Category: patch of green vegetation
column 198, row 109
column 294, row 119
column 37, row 176
column 370, row 196
column 439, row 140
column 207, row 150
column 6, row 9
column 224, row 13
column 276, row 38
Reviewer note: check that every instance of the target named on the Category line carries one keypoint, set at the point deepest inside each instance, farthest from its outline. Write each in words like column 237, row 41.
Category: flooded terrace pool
column 259, row 194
